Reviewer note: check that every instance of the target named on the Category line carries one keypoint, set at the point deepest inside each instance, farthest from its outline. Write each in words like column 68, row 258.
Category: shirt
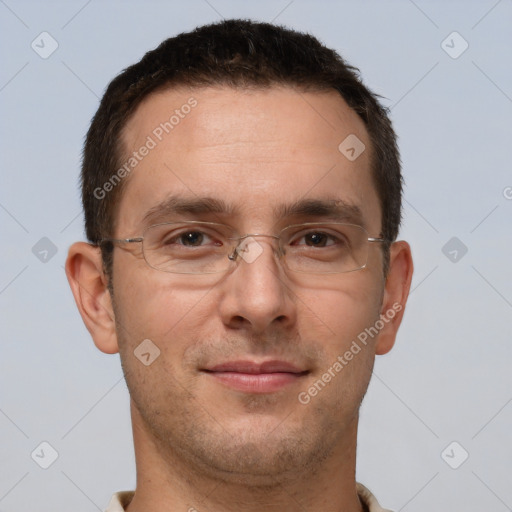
column 121, row 500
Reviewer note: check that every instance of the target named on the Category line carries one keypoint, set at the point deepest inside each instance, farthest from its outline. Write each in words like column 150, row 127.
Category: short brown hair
column 234, row 53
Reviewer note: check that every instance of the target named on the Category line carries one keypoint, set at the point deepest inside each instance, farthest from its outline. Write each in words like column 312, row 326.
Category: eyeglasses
column 192, row 247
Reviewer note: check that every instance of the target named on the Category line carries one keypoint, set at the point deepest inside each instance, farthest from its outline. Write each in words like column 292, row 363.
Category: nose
column 256, row 295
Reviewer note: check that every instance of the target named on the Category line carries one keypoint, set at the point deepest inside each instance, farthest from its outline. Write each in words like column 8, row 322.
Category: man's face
column 256, row 152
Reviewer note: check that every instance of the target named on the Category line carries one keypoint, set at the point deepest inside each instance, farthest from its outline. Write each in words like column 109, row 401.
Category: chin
column 259, row 455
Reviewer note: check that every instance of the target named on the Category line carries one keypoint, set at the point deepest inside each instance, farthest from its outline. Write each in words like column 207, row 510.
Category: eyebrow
column 179, row 205
column 337, row 210
column 329, row 209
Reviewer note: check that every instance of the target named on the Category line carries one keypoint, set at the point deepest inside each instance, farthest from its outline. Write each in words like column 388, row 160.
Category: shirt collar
column 121, row 500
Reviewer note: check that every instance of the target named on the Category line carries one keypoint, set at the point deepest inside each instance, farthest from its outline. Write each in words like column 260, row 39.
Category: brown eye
column 192, row 238
column 316, row 239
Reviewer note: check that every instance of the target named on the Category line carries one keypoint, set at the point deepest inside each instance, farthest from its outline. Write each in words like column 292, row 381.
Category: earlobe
column 84, row 270
column 396, row 292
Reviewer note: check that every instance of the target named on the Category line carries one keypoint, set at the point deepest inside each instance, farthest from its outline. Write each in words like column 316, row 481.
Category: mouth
column 251, row 377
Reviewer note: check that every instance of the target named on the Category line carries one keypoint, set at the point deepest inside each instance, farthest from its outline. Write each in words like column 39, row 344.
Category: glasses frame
column 240, row 239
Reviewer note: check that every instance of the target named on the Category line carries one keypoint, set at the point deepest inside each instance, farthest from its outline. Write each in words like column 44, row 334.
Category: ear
column 396, row 291
column 84, row 270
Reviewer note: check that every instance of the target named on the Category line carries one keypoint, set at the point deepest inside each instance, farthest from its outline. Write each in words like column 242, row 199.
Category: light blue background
column 449, row 375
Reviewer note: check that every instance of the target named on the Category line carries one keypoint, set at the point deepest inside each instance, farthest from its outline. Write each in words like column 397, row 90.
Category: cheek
column 342, row 320
column 171, row 317
column 163, row 308
column 336, row 313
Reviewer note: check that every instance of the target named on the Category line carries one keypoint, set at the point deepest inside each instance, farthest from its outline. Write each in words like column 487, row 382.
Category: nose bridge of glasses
column 248, row 247
column 252, row 235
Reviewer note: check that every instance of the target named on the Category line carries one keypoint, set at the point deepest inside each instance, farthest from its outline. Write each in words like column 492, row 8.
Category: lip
column 252, row 377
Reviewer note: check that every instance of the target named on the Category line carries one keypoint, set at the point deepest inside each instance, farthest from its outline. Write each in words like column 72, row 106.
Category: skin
column 198, row 442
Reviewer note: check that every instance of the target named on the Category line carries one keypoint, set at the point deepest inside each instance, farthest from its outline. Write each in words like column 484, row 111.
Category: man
column 242, row 196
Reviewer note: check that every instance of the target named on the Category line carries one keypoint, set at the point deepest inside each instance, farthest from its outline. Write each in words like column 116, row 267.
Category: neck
column 167, row 483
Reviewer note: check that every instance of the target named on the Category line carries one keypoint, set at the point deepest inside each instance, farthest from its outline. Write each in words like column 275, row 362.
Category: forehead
column 254, row 150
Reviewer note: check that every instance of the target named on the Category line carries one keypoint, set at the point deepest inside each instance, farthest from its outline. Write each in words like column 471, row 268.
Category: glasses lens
column 187, row 247
column 325, row 248
column 192, row 247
